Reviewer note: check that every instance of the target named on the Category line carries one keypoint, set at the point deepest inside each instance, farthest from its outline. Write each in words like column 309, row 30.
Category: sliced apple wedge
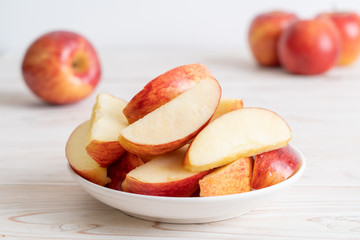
column 227, row 105
column 163, row 176
column 240, row 133
column 175, row 123
column 107, row 121
column 229, row 179
column 80, row 161
column 164, row 88
column 274, row 167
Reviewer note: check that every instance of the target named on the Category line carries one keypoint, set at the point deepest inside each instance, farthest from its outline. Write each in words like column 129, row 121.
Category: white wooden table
column 39, row 199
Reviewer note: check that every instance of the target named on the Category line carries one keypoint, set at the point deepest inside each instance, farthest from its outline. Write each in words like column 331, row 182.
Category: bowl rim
column 252, row 193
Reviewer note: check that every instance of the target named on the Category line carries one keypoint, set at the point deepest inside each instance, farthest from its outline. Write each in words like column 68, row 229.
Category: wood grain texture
column 39, row 200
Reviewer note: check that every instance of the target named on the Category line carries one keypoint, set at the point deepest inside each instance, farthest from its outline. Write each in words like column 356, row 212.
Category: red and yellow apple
column 80, row 161
column 274, row 167
column 230, row 179
column 348, row 25
column 107, row 120
column 264, row 33
column 175, row 123
column 165, row 88
column 309, row 47
column 164, row 176
column 61, row 67
column 117, row 171
column 240, row 133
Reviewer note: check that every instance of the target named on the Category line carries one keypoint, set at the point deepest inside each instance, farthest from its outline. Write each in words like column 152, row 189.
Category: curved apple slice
column 164, row 88
column 274, row 167
column 175, row 123
column 241, row 133
column 106, row 122
column 163, row 176
column 80, row 161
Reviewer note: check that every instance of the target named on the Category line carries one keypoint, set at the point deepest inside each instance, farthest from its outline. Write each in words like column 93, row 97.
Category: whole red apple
column 264, row 33
column 348, row 25
column 309, row 47
column 274, row 167
column 61, row 67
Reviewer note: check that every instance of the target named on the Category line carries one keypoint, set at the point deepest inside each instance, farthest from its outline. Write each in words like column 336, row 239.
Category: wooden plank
column 39, row 199
column 64, row 211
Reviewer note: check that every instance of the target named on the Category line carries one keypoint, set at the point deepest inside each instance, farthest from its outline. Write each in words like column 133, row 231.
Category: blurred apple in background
column 348, row 25
column 264, row 33
column 309, row 47
column 274, row 167
column 61, row 67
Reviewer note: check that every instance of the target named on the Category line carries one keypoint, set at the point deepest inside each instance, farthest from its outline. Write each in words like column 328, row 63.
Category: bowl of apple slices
column 178, row 152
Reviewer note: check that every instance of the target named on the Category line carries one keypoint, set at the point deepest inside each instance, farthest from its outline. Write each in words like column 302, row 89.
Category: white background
column 147, row 24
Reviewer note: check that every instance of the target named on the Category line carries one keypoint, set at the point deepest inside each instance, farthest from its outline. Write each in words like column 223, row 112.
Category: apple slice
column 227, row 105
column 164, row 176
column 164, row 88
column 175, row 123
column 117, row 171
column 107, row 121
column 240, row 133
column 230, row 179
column 80, row 161
column 274, row 166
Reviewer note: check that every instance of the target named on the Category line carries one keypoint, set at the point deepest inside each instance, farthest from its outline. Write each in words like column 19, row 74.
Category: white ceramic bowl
column 186, row 209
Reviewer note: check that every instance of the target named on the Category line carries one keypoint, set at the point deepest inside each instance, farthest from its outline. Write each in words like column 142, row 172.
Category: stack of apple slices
column 177, row 137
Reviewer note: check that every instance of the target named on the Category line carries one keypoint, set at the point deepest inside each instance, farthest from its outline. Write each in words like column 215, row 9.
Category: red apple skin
column 181, row 188
column 264, row 33
column 274, row 167
column 348, row 25
column 147, row 152
column 229, row 179
column 104, row 153
column 61, row 67
column 163, row 89
column 309, row 47
column 117, row 171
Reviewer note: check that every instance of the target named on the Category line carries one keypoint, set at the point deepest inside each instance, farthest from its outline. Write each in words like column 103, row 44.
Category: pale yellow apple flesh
column 240, row 133
column 163, row 176
column 229, row 179
column 80, row 161
column 175, row 123
column 227, row 105
column 107, row 121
